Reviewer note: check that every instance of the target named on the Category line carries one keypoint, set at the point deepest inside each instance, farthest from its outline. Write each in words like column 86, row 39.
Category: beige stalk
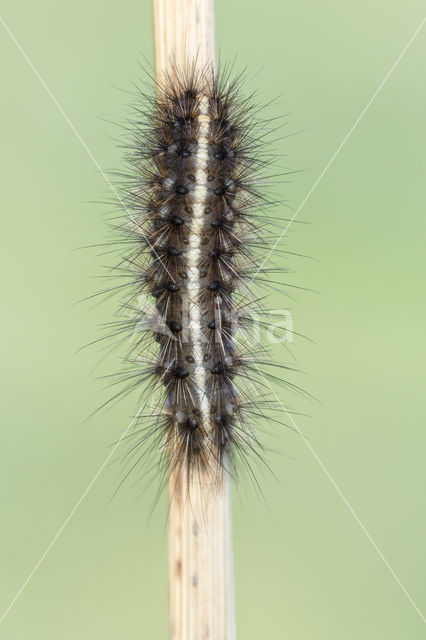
column 200, row 541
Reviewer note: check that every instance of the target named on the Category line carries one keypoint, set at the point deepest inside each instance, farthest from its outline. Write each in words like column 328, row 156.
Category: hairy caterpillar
column 196, row 221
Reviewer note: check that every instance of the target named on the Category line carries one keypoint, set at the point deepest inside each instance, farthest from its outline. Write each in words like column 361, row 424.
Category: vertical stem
column 200, row 558
column 200, row 540
column 183, row 33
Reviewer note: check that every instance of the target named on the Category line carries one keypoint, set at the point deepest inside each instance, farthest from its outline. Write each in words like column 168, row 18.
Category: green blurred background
column 304, row 567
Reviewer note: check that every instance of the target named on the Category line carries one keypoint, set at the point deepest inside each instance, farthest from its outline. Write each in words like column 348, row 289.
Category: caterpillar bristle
column 196, row 225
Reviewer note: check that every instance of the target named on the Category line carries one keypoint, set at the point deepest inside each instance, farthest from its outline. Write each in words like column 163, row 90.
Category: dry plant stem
column 184, row 33
column 200, row 541
column 200, row 560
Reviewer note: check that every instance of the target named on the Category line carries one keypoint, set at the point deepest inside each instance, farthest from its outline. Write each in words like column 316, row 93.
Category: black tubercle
column 181, row 190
